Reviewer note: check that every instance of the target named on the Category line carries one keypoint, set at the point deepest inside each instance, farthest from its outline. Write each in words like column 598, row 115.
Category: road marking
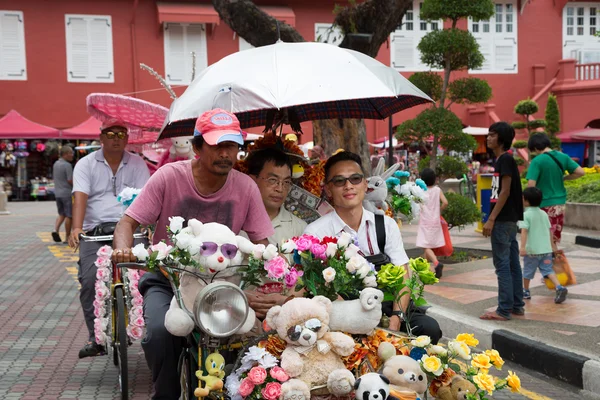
column 62, row 252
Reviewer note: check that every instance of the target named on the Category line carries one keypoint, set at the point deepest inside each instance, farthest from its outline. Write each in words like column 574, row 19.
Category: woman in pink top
column 430, row 235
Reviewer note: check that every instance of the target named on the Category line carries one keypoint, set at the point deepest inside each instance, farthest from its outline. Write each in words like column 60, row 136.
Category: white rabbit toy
column 377, row 188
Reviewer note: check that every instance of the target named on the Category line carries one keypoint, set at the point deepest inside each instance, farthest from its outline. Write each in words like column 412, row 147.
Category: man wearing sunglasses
column 208, row 189
column 97, row 180
column 346, row 186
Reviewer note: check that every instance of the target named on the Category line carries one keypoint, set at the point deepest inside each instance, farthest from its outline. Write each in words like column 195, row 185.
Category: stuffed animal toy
column 372, row 387
column 313, row 356
column 407, row 380
column 215, row 247
column 215, row 365
column 181, row 148
column 297, row 171
column 457, row 390
column 377, row 188
column 358, row 316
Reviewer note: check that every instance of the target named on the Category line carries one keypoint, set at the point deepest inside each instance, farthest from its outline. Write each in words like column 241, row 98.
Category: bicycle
column 466, row 188
column 119, row 314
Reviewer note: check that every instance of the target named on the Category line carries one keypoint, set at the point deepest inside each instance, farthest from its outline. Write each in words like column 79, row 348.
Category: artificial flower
column 288, row 247
column 364, row 269
column 329, row 274
column 437, row 350
column 332, row 249
column 370, row 281
column 344, row 239
column 390, row 274
column 279, row 374
column 432, row 364
column 137, row 321
column 461, row 349
column 103, row 274
column 270, row 252
column 257, row 375
column 291, row 278
column 135, row 332
column 140, row 252
column 246, row 387
column 276, row 267
column 513, row 382
column 468, row 338
column 268, row 361
column 319, row 250
column 303, row 243
column 254, row 353
column 176, row 224
column 482, row 362
column 351, row 251
column 162, row 250
column 421, row 341
column 272, row 391
column 232, row 384
column 258, row 251
column 102, row 262
column 495, row 358
column 105, row 251
column 485, row 382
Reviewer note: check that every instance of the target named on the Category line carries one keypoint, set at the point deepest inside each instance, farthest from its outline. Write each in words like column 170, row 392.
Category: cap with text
column 218, row 126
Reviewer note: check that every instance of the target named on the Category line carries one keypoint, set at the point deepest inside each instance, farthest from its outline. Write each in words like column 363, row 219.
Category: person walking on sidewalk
column 62, row 173
column 430, row 235
column 97, row 180
column 506, row 209
column 547, row 172
column 536, row 244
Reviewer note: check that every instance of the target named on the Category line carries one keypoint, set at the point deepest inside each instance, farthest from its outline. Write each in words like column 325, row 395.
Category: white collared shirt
column 286, row 226
column 332, row 225
column 93, row 176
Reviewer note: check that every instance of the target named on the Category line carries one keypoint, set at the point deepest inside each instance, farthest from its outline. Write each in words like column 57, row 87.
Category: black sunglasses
column 340, row 181
column 112, row 135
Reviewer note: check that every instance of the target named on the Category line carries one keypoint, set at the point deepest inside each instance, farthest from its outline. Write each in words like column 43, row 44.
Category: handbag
column 563, row 271
column 104, row 229
column 379, row 259
column 446, row 250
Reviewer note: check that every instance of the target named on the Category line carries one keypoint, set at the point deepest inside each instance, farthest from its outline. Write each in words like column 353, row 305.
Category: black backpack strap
column 380, row 232
column 557, row 162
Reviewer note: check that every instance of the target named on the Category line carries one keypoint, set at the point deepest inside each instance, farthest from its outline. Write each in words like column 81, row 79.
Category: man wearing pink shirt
column 209, row 190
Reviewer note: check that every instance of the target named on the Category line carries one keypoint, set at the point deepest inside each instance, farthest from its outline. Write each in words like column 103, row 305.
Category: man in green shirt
column 547, row 173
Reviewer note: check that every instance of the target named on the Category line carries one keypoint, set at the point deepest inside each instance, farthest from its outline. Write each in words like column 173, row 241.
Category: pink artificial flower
column 246, row 387
column 292, row 277
column 257, row 375
column 137, row 321
column 135, row 292
column 102, row 262
column 137, row 311
column 99, row 312
column 272, row 391
column 276, row 267
column 100, row 337
column 103, row 274
column 137, row 301
column 135, row 332
column 98, row 303
column 279, row 374
column 105, row 251
column 163, row 250
column 303, row 243
column 319, row 250
column 102, row 292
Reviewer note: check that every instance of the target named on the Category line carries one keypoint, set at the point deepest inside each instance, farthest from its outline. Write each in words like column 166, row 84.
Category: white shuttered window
column 89, row 48
column 581, row 22
column 12, row 46
column 180, row 41
column 404, row 41
column 497, row 38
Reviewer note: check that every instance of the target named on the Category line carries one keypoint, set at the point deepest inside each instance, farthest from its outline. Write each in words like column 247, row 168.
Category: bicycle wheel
column 121, row 341
column 187, row 375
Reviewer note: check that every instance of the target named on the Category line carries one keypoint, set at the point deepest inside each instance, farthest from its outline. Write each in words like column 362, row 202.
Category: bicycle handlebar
column 108, row 238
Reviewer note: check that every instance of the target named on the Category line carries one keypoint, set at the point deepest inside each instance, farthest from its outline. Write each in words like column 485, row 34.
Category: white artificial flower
column 270, row 252
column 163, row 250
column 421, row 341
column 405, row 190
column 351, row 251
column 332, row 248
column 344, row 240
column 370, row 281
column 258, row 251
column 232, row 384
column 196, row 226
column 288, row 247
column 176, row 224
column 461, row 349
column 140, row 252
column 183, row 240
column 437, row 350
column 268, row 361
column 194, row 246
column 329, row 274
column 364, row 270
column 353, row 264
column 398, row 189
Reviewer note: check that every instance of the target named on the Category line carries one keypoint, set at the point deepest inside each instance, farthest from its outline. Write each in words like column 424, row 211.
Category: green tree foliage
column 460, row 211
column 447, row 167
column 455, row 10
column 552, row 115
column 455, row 49
column 469, row 91
column 526, row 107
column 429, row 82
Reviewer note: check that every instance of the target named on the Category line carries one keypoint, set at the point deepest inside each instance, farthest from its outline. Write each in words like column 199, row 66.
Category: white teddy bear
column 181, row 147
column 215, row 247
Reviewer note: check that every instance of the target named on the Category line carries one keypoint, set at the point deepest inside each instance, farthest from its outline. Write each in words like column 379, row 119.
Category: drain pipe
column 134, row 59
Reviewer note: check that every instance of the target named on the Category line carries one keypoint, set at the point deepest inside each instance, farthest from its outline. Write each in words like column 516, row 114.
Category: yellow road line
column 62, row 252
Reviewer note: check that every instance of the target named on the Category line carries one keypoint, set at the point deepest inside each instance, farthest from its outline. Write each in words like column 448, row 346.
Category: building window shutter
column 505, row 54
column 180, row 41
column 89, row 49
column 196, row 42
column 12, row 46
column 404, row 52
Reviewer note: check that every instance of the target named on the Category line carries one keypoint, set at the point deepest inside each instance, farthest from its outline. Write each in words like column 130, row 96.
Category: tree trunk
column 348, row 134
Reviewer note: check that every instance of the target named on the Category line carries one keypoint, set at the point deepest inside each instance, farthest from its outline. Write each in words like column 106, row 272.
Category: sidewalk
column 468, row 289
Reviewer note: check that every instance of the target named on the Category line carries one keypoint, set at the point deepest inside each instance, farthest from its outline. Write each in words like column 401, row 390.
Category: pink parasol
column 144, row 119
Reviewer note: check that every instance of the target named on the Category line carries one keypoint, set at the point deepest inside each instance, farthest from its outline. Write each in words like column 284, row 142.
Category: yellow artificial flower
column 468, row 338
column 390, row 275
column 484, row 381
column 432, row 364
column 495, row 358
column 437, row 350
column 482, row 362
column 461, row 349
column 513, row 381
column 421, row 341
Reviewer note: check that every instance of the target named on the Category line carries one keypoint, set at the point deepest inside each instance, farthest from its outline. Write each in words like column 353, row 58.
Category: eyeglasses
column 112, row 135
column 274, row 182
column 340, row 181
column 295, row 331
column 228, row 250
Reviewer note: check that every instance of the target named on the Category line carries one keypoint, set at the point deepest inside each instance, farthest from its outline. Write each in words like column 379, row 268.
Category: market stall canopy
column 579, row 135
column 475, row 131
column 87, row 130
column 15, row 126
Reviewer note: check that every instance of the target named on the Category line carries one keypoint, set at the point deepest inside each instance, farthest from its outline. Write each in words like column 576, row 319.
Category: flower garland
column 135, row 328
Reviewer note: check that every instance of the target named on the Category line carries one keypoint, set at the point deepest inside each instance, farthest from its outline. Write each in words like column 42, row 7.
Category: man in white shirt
column 346, row 185
column 98, row 178
column 271, row 169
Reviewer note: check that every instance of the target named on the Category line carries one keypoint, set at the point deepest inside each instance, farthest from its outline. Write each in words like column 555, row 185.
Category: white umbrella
column 385, row 144
column 303, row 81
column 474, row 131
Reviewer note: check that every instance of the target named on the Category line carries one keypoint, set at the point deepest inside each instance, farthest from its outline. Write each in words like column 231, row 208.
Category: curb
column 566, row 366
column 588, row 241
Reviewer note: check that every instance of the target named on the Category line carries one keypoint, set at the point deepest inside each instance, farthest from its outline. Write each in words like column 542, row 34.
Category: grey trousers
column 162, row 350
column 87, row 278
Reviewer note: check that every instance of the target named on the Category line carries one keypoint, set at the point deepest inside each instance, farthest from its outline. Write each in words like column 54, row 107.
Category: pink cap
column 217, row 126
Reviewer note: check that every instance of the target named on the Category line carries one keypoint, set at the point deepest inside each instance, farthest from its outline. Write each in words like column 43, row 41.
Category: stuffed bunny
column 377, row 189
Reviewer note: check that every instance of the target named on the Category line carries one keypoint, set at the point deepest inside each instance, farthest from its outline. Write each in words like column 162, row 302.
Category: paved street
column 42, row 328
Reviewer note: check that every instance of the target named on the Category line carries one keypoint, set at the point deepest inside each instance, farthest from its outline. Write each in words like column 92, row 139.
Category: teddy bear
column 213, row 380
column 358, row 316
column 181, row 148
column 457, row 390
column 313, row 356
column 215, row 247
column 404, row 373
column 372, row 386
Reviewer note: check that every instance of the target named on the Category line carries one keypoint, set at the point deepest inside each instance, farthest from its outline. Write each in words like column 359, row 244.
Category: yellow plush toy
column 297, row 171
column 215, row 365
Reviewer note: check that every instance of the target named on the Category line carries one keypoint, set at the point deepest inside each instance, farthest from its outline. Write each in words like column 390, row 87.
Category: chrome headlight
column 220, row 309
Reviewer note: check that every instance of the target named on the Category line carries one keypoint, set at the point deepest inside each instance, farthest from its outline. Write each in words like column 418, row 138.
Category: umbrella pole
column 390, row 146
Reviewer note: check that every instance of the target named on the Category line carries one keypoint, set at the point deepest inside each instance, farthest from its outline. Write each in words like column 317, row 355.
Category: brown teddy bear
column 457, row 390
column 313, row 356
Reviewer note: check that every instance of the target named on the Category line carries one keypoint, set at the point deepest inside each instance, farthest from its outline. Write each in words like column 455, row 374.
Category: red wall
column 46, row 97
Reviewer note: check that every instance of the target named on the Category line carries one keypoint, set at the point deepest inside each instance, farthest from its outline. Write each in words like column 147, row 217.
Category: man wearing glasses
column 97, row 180
column 346, row 186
